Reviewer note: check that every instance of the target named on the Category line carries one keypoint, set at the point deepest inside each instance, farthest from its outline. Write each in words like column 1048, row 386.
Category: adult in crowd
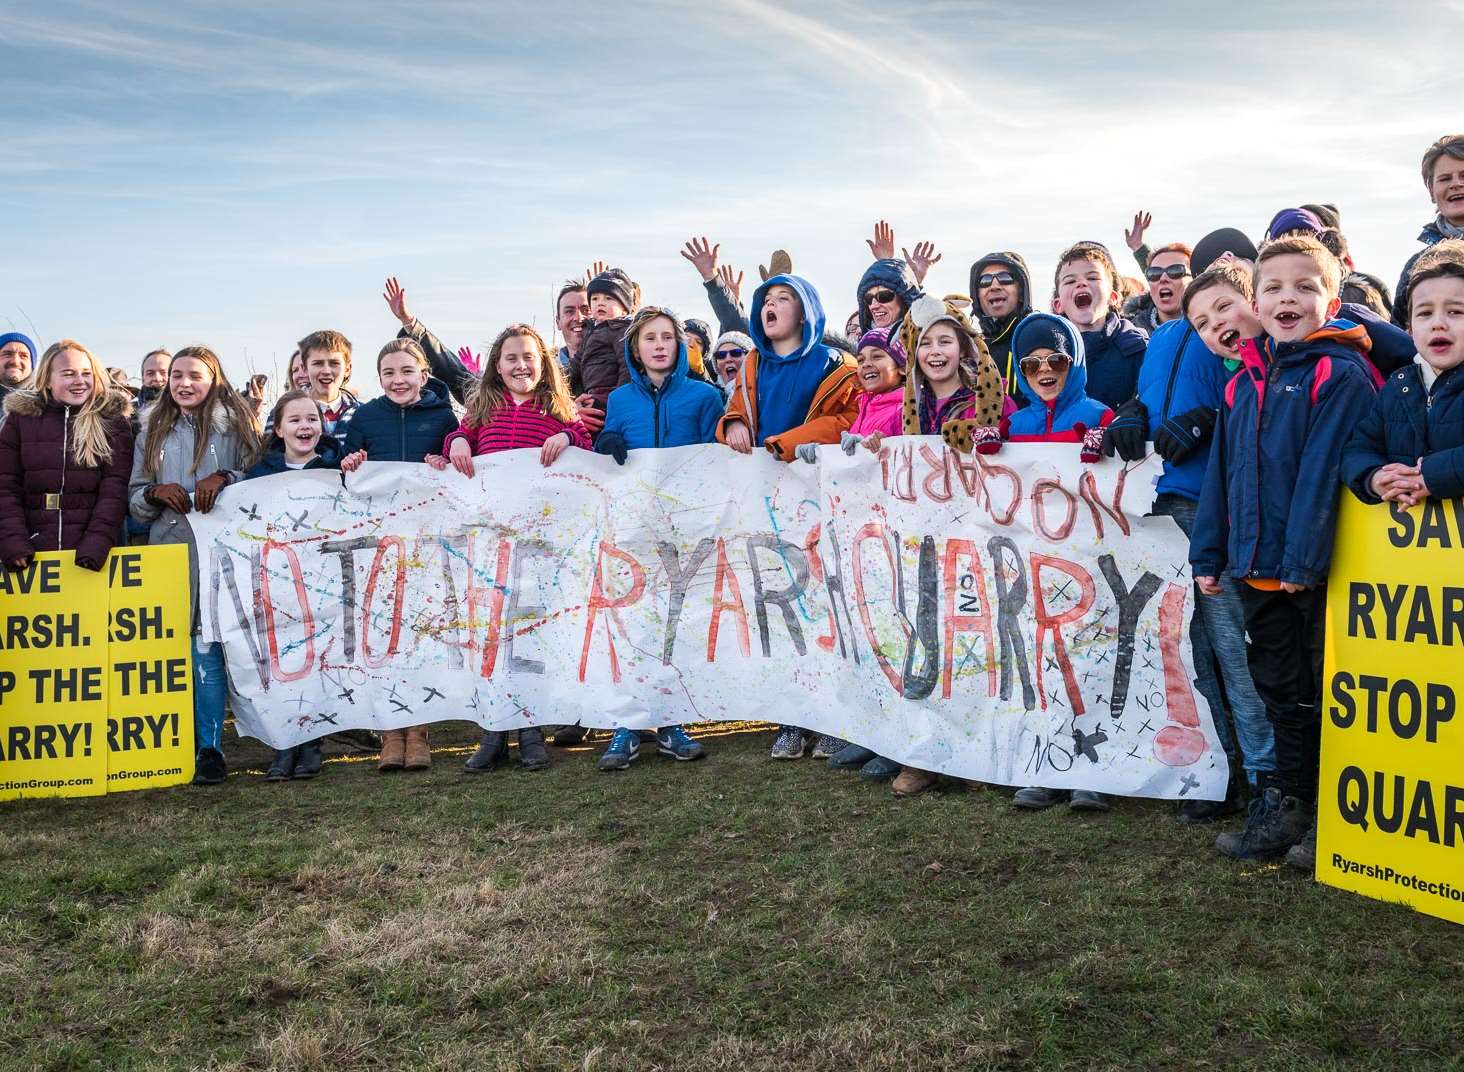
column 1001, row 288
column 571, row 308
column 1443, row 176
column 1166, row 277
column 17, row 360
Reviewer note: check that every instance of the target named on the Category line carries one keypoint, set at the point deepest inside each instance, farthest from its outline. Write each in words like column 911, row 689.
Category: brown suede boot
column 393, row 742
column 419, row 753
column 912, row 781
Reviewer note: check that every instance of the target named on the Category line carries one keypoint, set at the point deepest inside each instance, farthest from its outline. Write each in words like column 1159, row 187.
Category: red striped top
column 516, row 425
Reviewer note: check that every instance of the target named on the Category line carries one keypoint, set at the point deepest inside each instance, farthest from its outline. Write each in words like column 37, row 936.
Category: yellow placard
column 150, row 679
column 53, row 679
column 1390, row 820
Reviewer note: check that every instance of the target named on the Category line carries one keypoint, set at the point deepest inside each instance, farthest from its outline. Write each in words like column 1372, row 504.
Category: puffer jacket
column 1068, row 417
column 48, row 501
column 681, row 412
column 327, row 456
column 597, row 368
column 1115, row 353
column 388, row 432
column 1407, row 422
column 882, row 413
column 1180, row 374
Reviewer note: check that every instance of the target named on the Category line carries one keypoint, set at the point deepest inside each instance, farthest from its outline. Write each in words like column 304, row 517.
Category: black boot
column 568, row 736
column 282, row 766
column 492, row 750
column 532, row 754
column 308, row 763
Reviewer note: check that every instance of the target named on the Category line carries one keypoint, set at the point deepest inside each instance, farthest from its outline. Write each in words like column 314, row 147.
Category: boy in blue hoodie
column 1268, row 512
column 660, row 405
column 793, row 390
column 1085, row 293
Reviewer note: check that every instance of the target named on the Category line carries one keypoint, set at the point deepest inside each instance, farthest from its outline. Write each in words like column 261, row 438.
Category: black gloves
column 1128, row 433
column 613, row 444
column 1184, row 433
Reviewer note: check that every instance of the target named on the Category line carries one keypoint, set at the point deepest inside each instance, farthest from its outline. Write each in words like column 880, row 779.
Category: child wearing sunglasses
column 1167, row 275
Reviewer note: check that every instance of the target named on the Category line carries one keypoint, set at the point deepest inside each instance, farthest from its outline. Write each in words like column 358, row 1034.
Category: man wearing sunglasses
column 730, row 350
column 1168, row 274
column 1002, row 290
column 887, row 289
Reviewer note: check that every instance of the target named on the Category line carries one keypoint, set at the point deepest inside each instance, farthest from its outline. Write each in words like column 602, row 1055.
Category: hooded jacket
column 998, row 330
column 388, row 432
column 1180, row 374
column 682, row 411
column 1268, row 508
column 955, row 415
column 1068, row 416
column 896, row 275
column 1115, row 352
column 327, row 456
column 1410, row 421
column 1142, row 312
column 808, row 396
column 48, row 500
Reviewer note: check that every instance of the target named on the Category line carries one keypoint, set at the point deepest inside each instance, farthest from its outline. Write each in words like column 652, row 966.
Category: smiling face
column 1436, row 321
column 155, row 370
column 884, row 305
column 782, row 315
column 878, row 372
column 1046, row 371
column 1084, row 293
column 1447, row 189
column 402, row 377
column 189, row 382
column 1224, row 319
column 728, row 361
column 327, row 370
column 1291, row 297
column 574, row 306
column 655, row 345
column 299, row 428
column 996, row 298
column 15, row 363
column 72, row 380
column 520, row 365
column 939, row 354
column 1166, row 290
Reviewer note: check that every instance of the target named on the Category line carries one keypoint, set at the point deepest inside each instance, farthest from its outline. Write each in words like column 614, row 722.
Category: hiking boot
column 532, row 754
column 622, row 751
column 913, row 781
column 282, row 766
column 393, row 750
column 1303, row 854
column 1273, row 824
column 851, row 757
column 307, row 766
column 1193, row 812
column 210, row 768
column 880, row 769
column 827, row 747
column 675, row 742
column 790, row 743
column 1087, row 800
column 418, row 752
column 492, row 749
column 1036, row 798
column 568, row 736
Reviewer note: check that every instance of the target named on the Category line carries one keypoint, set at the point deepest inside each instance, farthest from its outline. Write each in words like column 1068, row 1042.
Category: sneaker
column 307, row 766
column 879, row 769
column 492, row 750
column 913, row 781
column 1193, row 812
column 790, row 743
column 827, row 747
column 1036, row 798
column 282, row 766
column 623, row 749
column 1273, row 824
column 210, row 768
column 1303, row 854
column 851, row 757
column 533, row 756
column 1087, row 800
column 675, row 742
column 568, row 736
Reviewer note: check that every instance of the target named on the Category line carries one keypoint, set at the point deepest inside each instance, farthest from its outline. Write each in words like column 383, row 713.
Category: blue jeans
column 1222, row 674
column 210, row 691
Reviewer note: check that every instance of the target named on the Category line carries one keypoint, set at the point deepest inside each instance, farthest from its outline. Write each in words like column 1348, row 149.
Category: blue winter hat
column 15, row 336
column 1294, row 219
column 1041, row 334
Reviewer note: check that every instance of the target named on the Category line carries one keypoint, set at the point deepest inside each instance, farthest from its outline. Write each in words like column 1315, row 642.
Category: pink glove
column 986, row 440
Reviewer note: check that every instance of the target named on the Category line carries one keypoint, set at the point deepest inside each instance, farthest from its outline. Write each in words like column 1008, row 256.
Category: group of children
column 1261, row 390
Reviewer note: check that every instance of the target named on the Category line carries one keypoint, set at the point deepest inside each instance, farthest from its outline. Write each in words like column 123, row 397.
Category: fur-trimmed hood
column 28, row 402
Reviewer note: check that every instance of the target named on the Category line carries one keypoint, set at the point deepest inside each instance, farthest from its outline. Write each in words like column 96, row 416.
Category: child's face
column 878, row 372
column 402, row 378
column 603, row 307
column 155, row 371
column 996, row 290
column 939, row 354
column 728, row 361
column 782, row 314
column 1167, row 289
column 1084, row 293
column 520, row 365
column 1447, row 189
column 655, row 343
column 1436, row 321
column 72, row 378
column 189, row 382
column 327, row 370
column 299, row 427
column 1224, row 319
column 884, row 305
column 1291, row 299
column 1046, row 372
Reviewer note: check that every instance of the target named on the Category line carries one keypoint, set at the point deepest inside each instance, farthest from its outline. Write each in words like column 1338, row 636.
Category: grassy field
column 729, row 914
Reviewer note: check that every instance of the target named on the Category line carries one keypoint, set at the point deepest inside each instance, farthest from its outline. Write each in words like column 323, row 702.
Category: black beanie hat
column 1042, row 335
column 1225, row 240
column 701, row 331
column 614, row 283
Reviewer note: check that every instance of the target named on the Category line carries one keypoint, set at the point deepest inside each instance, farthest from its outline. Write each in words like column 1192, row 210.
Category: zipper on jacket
column 65, row 449
column 656, row 415
column 401, row 434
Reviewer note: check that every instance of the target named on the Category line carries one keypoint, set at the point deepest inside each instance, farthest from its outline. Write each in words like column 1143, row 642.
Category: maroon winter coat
column 37, row 460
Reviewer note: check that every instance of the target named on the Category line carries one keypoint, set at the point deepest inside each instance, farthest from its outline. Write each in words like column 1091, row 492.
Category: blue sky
column 240, row 175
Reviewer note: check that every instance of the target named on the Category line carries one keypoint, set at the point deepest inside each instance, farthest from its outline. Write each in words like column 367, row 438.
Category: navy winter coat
column 1115, row 352
column 1180, row 374
column 681, row 412
column 1431, row 235
column 1408, row 422
column 388, row 432
column 328, row 456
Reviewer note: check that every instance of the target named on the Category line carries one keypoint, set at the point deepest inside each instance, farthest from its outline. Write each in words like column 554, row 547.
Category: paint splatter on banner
column 1014, row 619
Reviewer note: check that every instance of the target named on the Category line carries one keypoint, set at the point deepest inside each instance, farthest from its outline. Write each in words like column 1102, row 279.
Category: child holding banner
column 198, row 438
column 521, row 402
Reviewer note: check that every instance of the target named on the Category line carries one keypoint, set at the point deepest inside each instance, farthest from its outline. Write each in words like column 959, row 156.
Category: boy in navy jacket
column 1268, row 511
column 1085, row 293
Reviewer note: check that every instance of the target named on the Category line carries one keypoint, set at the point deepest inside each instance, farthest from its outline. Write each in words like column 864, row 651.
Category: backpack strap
column 1320, row 375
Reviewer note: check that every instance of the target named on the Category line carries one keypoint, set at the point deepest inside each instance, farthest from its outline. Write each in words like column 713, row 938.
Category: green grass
column 730, row 914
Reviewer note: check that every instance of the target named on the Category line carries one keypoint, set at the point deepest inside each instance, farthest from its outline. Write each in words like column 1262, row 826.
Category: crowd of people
column 1265, row 378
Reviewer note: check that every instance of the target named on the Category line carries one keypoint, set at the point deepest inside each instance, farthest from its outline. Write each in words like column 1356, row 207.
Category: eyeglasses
column 1056, row 362
column 1174, row 271
column 986, row 279
column 884, row 295
column 739, row 352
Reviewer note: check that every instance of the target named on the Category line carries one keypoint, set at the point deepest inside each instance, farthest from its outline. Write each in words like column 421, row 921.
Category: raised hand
column 595, row 269
column 255, row 389
column 882, row 245
column 1133, row 237
column 703, row 257
column 396, row 301
column 471, row 361
column 733, row 285
column 921, row 260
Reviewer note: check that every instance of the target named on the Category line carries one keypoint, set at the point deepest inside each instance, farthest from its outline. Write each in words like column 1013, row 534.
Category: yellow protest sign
column 1390, row 820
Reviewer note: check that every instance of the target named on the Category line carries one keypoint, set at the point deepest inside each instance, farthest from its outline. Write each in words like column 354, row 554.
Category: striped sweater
column 516, row 425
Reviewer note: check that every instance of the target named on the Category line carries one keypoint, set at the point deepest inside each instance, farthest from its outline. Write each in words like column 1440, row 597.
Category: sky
column 242, row 174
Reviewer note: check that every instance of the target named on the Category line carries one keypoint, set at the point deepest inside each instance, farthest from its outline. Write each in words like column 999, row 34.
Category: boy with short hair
column 326, row 357
column 1085, row 293
column 1268, row 511
column 1443, row 177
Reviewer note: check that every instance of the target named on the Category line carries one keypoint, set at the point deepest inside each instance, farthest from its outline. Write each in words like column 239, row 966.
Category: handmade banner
column 1014, row 620
column 1390, row 800
column 96, row 688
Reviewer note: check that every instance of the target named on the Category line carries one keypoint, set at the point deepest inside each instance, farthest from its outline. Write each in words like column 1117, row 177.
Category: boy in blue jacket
column 1411, row 444
column 659, row 406
column 1085, row 293
column 1268, row 511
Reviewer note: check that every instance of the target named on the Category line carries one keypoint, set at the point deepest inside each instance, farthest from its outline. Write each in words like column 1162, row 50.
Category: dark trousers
column 1285, row 633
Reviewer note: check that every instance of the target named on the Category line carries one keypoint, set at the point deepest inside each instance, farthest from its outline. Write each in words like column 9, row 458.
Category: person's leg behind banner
column 1225, row 629
column 210, row 693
